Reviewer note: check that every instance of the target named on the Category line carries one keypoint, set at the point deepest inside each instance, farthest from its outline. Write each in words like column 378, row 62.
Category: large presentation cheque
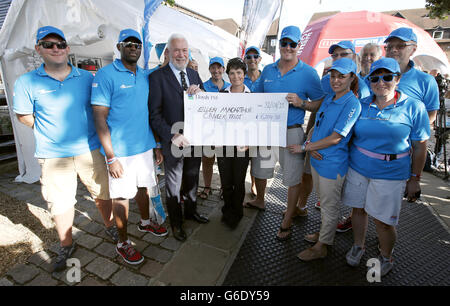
column 242, row 119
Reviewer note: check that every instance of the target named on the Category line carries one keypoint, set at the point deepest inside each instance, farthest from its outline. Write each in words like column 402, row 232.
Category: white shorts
column 381, row 199
column 138, row 171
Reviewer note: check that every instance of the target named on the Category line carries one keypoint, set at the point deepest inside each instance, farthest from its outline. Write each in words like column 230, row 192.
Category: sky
column 300, row 10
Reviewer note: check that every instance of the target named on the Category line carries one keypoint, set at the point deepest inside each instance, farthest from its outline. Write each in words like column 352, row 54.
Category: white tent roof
column 91, row 28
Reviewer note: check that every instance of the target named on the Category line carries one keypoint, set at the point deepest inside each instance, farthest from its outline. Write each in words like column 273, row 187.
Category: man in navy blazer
column 166, row 105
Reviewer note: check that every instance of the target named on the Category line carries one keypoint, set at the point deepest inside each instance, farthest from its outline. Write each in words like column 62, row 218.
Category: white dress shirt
column 177, row 74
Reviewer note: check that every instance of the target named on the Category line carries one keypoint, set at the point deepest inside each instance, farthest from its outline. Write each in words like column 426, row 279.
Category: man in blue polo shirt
column 401, row 45
column 252, row 58
column 119, row 99
column 300, row 81
column 54, row 100
column 344, row 49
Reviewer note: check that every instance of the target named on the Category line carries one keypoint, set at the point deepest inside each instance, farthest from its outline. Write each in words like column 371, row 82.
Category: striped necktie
column 183, row 80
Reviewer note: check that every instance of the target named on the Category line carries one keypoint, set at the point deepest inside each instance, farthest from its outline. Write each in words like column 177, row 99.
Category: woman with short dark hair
column 234, row 169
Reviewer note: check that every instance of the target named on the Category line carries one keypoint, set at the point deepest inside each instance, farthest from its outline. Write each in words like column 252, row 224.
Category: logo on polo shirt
column 123, row 86
column 43, row 91
column 94, row 85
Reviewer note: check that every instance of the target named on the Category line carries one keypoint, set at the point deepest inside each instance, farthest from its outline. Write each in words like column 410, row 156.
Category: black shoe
column 197, row 217
column 232, row 223
column 179, row 234
column 63, row 254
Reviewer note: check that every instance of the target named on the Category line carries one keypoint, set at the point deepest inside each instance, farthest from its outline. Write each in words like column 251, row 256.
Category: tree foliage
column 169, row 2
column 438, row 8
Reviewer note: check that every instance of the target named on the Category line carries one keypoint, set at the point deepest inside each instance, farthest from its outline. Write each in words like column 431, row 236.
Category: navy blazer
column 165, row 101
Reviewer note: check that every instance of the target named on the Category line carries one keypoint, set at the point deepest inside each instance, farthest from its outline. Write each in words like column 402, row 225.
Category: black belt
column 294, row 126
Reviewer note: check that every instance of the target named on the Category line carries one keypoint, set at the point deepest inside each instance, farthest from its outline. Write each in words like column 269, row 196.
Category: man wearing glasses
column 119, row 99
column 301, row 81
column 344, row 49
column 401, row 45
column 54, row 100
column 252, row 58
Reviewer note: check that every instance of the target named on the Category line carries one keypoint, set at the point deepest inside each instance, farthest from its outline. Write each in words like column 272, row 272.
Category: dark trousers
column 232, row 176
column 181, row 171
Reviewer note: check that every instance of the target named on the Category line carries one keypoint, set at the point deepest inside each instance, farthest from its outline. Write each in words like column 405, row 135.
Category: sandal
column 284, row 230
column 205, row 194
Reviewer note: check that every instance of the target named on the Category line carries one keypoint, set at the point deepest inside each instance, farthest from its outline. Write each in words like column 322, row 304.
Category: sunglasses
column 398, row 47
column 385, row 77
column 130, row 44
column 250, row 56
column 284, row 44
column 343, row 54
column 50, row 44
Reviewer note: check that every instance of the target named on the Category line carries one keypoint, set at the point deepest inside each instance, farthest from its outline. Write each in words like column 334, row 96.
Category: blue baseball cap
column 344, row 66
column 47, row 30
column 124, row 34
column 405, row 34
column 217, row 60
column 291, row 32
column 385, row 63
column 253, row 48
column 345, row 44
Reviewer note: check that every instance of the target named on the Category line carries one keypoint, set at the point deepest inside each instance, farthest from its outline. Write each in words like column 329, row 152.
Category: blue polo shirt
column 302, row 80
column 335, row 116
column 366, row 80
column 388, row 131
column 64, row 123
column 211, row 87
column 363, row 88
column 126, row 95
column 421, row 86
column 248, row 82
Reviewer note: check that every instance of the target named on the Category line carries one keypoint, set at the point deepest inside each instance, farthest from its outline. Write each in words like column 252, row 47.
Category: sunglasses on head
column 130, row 44
column 386, row 78
column 250, row 56
column 50, row 44
column 284, row 44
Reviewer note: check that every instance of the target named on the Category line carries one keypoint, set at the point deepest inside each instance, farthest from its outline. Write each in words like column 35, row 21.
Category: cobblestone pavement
column 202, row 260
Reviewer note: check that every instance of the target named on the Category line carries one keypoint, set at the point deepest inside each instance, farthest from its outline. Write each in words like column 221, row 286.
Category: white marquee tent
column 91, row 28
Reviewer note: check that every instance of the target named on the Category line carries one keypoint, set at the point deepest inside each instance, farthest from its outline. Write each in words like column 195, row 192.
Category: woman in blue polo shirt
column 391, row 126
column 215, row 84
column 328, row 146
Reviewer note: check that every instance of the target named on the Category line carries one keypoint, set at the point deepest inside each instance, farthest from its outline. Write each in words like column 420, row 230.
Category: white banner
column 242, row 119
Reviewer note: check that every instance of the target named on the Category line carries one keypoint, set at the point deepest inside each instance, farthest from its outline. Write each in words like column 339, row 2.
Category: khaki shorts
column 291, row 164
column 59, row 179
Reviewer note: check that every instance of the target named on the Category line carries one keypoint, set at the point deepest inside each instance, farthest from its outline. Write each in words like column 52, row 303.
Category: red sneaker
column 345, row 225
column 129, row 254
column 317, row 205
column 155, row 229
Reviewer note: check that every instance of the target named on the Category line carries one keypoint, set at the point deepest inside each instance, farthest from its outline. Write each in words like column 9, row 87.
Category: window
column 438, row 34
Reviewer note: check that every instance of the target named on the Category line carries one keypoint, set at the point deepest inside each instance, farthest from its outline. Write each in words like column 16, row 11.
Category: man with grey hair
column 166, row 105
column 369, row 53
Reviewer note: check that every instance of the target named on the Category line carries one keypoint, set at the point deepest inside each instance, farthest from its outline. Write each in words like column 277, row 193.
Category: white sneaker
column 354, row 255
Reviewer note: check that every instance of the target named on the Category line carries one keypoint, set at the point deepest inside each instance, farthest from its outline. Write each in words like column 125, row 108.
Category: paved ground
column 204, row 259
